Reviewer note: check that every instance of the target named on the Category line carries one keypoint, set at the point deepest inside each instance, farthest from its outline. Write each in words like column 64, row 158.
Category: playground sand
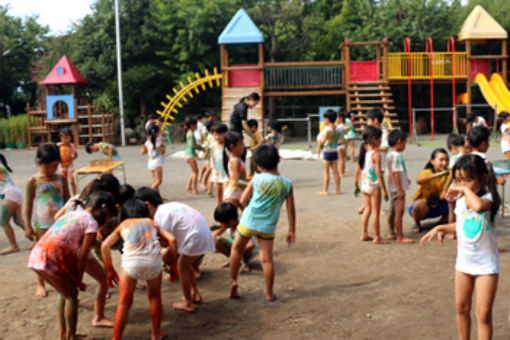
column 329, row 285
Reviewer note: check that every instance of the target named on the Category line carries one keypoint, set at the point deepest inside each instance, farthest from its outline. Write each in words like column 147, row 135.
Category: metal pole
column 414, row 138
column 495, row 122
column 309, row 124
column 119, row 73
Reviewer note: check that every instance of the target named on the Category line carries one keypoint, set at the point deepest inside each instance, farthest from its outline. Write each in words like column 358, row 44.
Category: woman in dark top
column 240, row 112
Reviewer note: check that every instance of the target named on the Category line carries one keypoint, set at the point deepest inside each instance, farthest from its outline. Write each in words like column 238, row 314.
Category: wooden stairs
column 362, row 97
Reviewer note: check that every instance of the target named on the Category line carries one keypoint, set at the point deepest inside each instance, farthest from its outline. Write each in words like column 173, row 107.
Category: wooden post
column 224, row 61
column 385, row 62
column 377, row 61
column 89, row 113
column 347, row 64
column 261, row 65
column 468, row 70
column 102, row 126
column 29, row 139
column 504, row 61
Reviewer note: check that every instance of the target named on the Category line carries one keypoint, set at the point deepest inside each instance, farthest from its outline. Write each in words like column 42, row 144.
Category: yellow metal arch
column 180, row 97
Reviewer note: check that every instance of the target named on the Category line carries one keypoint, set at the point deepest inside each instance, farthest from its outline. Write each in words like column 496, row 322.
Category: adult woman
column 240, row 112
column 426, row 203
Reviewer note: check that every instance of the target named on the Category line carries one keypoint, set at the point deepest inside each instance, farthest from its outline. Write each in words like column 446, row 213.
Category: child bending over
column 107, row 149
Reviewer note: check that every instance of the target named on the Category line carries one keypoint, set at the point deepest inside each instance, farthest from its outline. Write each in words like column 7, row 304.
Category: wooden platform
column 232, row 95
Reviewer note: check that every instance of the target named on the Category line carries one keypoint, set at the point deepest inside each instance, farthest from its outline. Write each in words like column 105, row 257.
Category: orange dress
column 66, row 155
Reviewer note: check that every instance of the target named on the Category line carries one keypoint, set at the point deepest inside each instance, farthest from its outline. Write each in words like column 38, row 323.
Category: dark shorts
column 439, row 210
column 330, row 156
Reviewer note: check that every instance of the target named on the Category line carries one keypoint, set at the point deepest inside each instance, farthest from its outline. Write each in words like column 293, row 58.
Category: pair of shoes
column 416, row 228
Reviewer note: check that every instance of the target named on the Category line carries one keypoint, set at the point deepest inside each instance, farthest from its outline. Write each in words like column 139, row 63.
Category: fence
column 420, row 65
column 303, row 75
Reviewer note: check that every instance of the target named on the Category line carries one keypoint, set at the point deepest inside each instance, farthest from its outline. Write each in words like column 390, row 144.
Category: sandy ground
column 329, row 284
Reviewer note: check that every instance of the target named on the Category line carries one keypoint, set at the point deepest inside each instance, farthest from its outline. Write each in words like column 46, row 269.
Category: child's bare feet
column 360, row 210
column 245, row 268
column 104, row 322
column 323, row 193
column 378, row 240
column 9, row 250
column 184, row 306
column 161, row 336
column 364, row 238
column 196, row 192
column 233, row 291
column 338, row 193
column 225, row 265
column 405, row 240
column 187, row 188
column 392, row 236
column 197, row 298
column 40, row 292
column 271, row 298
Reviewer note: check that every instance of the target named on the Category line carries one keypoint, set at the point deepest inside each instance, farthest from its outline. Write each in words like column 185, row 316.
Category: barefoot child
column 205, row 174
column 193, row 237
column 372, row 182
column 154, row 149
column 68, row 154
column 266, row 194
column 191, row 154
column 141, row 260
column 477, row 264
column 398, row 183
column 107, row 149
column 46, row 193
column 340, row 128
column 219, row 176
column 233, row 163
column 274, row 130
column 329, row 142
column 350, row 135
column 478, row 141
column 504, row 120
column 10, row 206
column 60, row 256
column 456, row 145
column 252, row 130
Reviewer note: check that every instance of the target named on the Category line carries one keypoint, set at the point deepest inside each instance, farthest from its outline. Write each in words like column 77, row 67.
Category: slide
column 490, row 94
column 498, row 86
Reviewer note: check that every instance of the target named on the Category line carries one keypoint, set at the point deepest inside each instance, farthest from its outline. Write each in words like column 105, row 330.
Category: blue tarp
column 241, row 30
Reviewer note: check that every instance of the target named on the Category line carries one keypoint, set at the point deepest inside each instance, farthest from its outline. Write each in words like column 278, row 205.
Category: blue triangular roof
column 240, row 30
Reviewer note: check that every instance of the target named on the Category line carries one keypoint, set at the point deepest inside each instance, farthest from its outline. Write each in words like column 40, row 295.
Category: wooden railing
column 303, row 75
column 420, row 65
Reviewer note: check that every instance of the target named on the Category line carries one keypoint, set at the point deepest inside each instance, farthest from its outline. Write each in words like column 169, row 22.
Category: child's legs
column 367, row 209
column 451, row 212
column 156, row 307
column 486, row 286
column 219, row 192
column 99, row 274
column 187, row 279
column 266, row 259
column 157, row 177
column 8, row 210
column 464, row 285
column 194, row 174
column 391, row 216
column 336, row 176
column 341, row 164
column 40, row 290
column 398, row 212
column 351, row 144
column 126, row 289
column 419, row 211
column 325, row 167
column 375, row 203
column 236, row 256
column 222, row 246
column 70, row 178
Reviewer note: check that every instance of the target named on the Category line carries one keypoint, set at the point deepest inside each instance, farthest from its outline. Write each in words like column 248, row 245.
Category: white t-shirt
column 479, row 121
column 155, row 157
column 395, row 163
column 505, row 137
column 189, row 227
column 477, row 245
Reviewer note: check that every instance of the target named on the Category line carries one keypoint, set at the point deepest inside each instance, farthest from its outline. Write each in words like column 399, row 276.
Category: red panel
column 364, row 71
column 244, row 78
column 479, row 66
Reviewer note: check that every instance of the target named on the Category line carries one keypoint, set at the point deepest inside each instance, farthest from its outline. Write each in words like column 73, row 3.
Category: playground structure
column 360, row 85
column 57, row 109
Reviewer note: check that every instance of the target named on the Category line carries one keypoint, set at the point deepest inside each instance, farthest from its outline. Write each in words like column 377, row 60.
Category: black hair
column 395, row 135
column 153, row 116
column 266, row 156
column 474, row 166
column 88, row 145
column 199, row 116
column 433, row 155
column 503, row 115
column 126, row 192
column 330, row 115
column 102, row 200
column 369, row 134
column 276, row 125
column 231, row 138
column 152, row 132
column 252, row 123
column 455, row 139
column 209, row 113
column 134, row 208
column 104, row 182
column 253, row 96
column 225, row 212
column 209, row 124
column 478, row 135
column 66, row 131
column 470, row 117
column 150, row 195
column 375, row 113
column 341, row 114
column 189, row 122
column 47, row 153
column 219, row 127
column 4, row 162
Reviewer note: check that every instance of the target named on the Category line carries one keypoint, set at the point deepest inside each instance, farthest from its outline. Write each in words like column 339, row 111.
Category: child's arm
column 237, row 173
column 106, row 252
column 427, row 178
column 83, row 257
column 161, row 149
column 245, row 197
column 65, row 187
column 29, row 202
column 144, row 150
column 447, row 184
column 291, row 215
column 473, row 201
column 439, row 231
column 170, row 255
column 396, row 178
column 109, row 151
column 75, row 152
column 221, row 229
column 380, row 177
column 247, row 130
column 356, row 180
column 195, row 145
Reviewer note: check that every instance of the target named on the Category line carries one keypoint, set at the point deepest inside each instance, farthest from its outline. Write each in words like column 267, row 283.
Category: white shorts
column 218, row 177
column 146, row 269
column 340, row 147
column 11, row 193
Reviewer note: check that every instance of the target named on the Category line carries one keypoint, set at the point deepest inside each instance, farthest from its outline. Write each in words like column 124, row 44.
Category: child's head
column 438, row 160
column 330, row 117
column 253, row 125
column 234, row 143
column 3, row 162
column 208, row 125
column 473, row 172
column 503, row 117
column 251, row 100
column 455, row 142
column 48, row 158
column 274, row 126
column 199, row 116
column 210, row 115
column 266, row 156
column 134, row 208
column 102, row 206
column 478, row 138
column 219, row 130
column 153, row 133
column 91, row 147
column 371, row 136
column 66, row 135
column 151, row 197
column 190, row 124
column 126, row 192
column 340, row 117
column 226, row 214
column 153, row 117
column 375, row 117
column 104, row 182
column 470, row 117
column 397, row 139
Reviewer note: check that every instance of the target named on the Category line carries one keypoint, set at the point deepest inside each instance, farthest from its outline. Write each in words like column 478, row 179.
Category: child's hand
column 454, row 192
column 112, row 279
column 174, row 273
column 82, row 286
column 356, row 191
column 291, row 238
column 385, row 196
column 29, row 233
column 431, row 235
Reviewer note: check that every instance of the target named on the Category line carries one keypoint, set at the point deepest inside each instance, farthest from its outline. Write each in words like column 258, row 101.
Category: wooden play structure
column 59, row 109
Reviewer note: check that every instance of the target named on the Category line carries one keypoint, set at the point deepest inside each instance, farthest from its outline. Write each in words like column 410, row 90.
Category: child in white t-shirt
column 504, row 118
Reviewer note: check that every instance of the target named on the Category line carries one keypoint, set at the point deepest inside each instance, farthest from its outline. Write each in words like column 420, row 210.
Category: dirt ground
column 329, row 284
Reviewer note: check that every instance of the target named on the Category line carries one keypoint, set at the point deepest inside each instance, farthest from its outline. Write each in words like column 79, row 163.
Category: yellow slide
column 498, row 86
column 493, row 93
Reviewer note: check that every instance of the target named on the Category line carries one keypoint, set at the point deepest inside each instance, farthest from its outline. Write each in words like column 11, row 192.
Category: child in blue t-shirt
column 267, row 190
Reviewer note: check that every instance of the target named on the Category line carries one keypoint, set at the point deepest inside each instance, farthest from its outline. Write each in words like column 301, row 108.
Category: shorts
column 232, row 193
column 340, row 147
column 249, row 233
column 11, row 193
column 218, row 177
column 143, row 269
column 69, row 170
column 440, row 210
column 330, row 156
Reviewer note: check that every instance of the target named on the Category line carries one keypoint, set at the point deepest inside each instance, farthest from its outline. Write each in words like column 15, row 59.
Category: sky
column 57, row 14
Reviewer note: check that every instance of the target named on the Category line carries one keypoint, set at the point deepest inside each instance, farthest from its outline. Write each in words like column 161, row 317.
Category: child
column 375, row 118
column 340, row 128
column 252, row 130
column 504, row 119
column 274, row 130
column 372, row 181
column 141, row 260
column 10, row 206
column 226, row 214
column 45, row 194
column 68, row 154
column 475, row 120
column 190, row 125
column 153, row 118
column 193, row 237
column 398, row 183
column 478, row 141
column 200, row 131
column 206, row 170
column 350, row 135
column 266, row 194
column 233, row 163
column 61, row 255
column 477, row 264
column 155, row 150
column 219, row 176
column 105, row 148
column 456, row 145
column 329, row 142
